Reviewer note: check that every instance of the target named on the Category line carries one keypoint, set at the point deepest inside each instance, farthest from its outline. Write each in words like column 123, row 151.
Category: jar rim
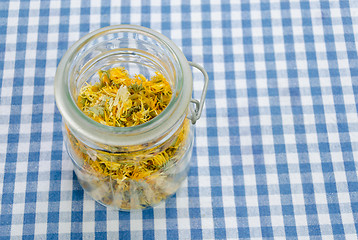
column 96, row 132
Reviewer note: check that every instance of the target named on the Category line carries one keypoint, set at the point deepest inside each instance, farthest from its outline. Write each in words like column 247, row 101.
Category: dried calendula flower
column 124, row 101
column 131, row 179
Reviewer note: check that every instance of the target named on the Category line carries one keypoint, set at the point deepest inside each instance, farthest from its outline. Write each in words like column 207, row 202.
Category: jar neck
column 149, row 145
column 86, row 56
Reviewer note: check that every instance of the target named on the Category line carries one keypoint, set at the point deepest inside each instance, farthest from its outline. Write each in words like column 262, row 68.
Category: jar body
column 135, row 179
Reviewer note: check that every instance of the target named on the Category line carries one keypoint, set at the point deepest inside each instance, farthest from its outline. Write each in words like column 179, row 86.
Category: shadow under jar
column 129, row 167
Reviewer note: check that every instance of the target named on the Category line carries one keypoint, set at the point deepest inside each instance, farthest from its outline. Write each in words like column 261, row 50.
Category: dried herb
column 124, row 101
column 134, row 179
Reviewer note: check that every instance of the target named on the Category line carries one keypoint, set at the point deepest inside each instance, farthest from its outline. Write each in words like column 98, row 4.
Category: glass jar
column 129, row 167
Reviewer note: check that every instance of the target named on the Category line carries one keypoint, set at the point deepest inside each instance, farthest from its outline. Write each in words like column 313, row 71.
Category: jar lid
column 88, row 129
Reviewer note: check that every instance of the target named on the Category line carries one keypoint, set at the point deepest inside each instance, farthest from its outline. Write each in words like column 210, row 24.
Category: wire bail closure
column 199, row 104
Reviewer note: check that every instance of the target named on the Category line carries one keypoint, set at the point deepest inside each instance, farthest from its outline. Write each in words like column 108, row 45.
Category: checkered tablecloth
column 276, row 148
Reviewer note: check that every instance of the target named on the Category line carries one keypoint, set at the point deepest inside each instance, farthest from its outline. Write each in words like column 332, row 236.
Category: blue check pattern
column 276, row 148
